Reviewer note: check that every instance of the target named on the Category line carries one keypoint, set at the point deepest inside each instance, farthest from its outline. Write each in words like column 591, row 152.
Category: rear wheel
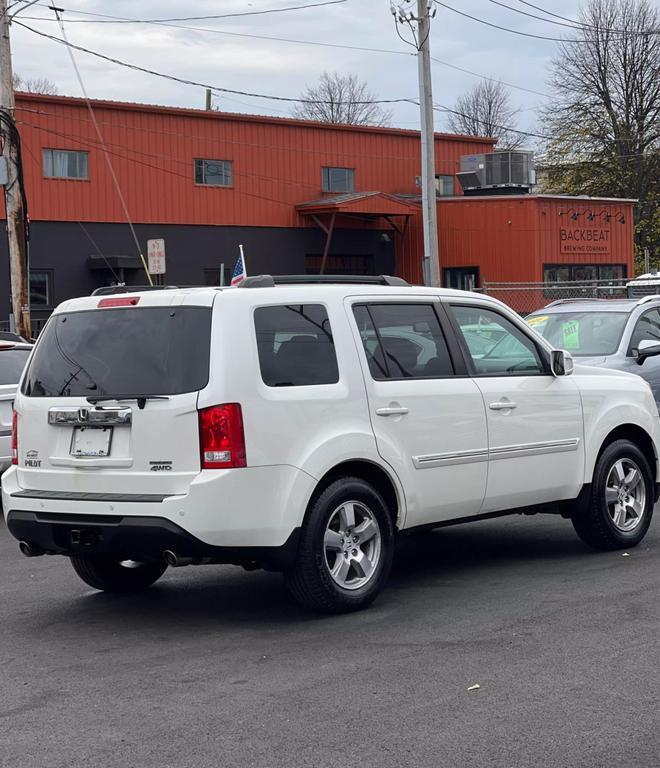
column 345, row 550
column 112, row 574
column 618, row 512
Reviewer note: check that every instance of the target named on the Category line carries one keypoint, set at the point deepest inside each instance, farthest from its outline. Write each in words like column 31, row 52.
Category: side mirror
column 647, row 348
column 561, row 363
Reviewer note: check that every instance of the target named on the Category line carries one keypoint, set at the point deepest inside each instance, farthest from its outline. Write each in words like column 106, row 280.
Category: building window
column 213, row 173
column 295, row 346
column 65, row 164
column 561, row 273
column 338, row 179
column 41, row 288
column 444, row 185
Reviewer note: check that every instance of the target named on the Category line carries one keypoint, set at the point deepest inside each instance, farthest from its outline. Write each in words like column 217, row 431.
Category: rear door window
column 127, row 351
column 295, row 346
column 403, row 341
column 12, row 362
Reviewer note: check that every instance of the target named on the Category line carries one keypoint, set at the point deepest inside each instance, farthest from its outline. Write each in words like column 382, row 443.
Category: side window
column 647, row 328
column 403, row 341
column 295, row 346
column 496, row 346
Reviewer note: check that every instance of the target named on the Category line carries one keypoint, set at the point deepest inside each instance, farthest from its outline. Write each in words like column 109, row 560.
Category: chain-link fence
column 528, row 297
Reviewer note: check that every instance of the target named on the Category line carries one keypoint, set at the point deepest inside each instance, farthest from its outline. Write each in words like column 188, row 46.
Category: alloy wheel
column 352, row 545
column 625, row 495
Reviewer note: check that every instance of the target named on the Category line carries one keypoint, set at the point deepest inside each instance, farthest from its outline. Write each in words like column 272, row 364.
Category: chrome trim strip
column 450, row 459
column 98, row 417
column 430, row 460
column 534, row 449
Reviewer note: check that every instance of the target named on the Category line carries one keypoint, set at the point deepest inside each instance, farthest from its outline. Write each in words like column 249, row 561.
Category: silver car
column 13, row 357
column 614, row 333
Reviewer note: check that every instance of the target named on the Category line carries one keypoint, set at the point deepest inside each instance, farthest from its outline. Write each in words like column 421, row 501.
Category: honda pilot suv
column 302, row 424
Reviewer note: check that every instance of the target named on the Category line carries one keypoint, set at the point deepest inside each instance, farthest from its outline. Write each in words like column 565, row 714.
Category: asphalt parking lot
column 216, row 667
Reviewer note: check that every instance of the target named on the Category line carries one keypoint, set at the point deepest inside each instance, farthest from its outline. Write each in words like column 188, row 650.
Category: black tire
column 310, row 581
column 593, row 519
column 109, row 574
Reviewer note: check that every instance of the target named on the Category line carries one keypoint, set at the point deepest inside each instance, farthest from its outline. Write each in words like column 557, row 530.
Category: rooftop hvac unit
column 497, row 171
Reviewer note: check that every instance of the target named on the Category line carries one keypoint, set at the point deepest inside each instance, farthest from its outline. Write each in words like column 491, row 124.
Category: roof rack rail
column 648, row 297
column 106, row 290
column 572, row 301
column 269, row 281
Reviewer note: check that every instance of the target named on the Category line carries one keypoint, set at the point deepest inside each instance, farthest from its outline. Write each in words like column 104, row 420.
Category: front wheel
column 345, row 550
column 112, row 574
column 618, row 511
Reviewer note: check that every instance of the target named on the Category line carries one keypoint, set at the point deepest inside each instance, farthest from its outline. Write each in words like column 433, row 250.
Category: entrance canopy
column 366, row 207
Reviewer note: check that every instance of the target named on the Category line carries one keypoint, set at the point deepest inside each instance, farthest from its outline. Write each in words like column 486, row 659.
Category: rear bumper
column 237, row 508
column 136, row 538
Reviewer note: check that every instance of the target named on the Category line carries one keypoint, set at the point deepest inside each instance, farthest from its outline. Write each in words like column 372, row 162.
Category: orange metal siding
column 511, row 238
column 276, row 162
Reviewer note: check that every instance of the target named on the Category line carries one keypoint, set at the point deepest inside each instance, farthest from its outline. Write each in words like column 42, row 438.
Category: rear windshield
column 127, row 351
column 585, row 334
column 12, row 362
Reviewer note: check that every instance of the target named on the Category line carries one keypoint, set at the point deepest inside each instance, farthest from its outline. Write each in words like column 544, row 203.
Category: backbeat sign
column 156, row 256
column 584, row 240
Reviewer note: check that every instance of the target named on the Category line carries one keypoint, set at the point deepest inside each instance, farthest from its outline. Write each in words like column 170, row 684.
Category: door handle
column 391, row 410
column 502, row 405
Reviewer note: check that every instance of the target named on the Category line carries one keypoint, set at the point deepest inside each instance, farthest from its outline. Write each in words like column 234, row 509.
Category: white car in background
column 13, row 357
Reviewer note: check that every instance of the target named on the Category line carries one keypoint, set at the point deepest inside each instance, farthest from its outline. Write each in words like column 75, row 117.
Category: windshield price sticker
column 571, row 334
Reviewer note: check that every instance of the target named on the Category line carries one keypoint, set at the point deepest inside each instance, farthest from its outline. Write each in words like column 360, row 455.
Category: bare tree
column 605, row 118
column 34, row 85
column 341, row 99
column 486, row 111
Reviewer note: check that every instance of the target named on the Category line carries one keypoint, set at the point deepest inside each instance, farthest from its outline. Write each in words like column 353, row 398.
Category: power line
column 536, row 16
column 108, row 19
column 197, row 84
column 115, row 180
column 343, row 47
column 507, row 29
column 584, row 25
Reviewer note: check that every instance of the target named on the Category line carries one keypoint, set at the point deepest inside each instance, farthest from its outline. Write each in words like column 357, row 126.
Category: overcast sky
column 221, row 52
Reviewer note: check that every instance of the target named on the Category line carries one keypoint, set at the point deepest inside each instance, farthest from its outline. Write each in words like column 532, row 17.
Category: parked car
column 12, row 361
column 11, row 336
column 305, row 428
column 623, row 334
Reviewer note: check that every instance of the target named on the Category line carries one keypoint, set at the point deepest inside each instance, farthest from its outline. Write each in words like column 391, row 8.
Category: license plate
column 91, row 441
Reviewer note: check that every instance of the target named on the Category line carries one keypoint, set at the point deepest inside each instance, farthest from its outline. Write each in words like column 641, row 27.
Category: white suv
column 300, row 424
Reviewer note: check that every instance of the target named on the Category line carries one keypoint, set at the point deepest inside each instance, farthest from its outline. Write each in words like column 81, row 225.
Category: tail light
column 221, row 437
column 14, row 438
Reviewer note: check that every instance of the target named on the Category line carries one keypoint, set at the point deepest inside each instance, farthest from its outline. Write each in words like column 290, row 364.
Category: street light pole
column 14, row 208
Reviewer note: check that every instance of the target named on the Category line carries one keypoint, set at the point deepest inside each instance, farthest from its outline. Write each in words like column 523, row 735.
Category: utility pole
column 16, row 234
column 421, row 33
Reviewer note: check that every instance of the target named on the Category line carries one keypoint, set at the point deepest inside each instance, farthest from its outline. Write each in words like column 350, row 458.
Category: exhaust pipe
column 174, row 560
column 30, row 550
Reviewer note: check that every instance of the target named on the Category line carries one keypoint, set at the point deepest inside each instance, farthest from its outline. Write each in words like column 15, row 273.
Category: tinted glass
column 403, row 341
column 338, row 180
column 647, row 328
column 586, row 334
column 12, row 362
column 216, row 173
column 295, row 346
column 496, row 346
column 126, row 351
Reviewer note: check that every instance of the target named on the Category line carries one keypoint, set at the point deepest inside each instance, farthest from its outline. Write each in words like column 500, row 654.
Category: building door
column 463, row 278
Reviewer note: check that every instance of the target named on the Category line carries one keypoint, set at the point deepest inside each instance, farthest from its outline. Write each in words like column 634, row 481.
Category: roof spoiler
column 108, row 290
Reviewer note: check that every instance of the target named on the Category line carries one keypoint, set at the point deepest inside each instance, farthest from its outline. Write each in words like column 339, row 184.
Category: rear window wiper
column 141, row 399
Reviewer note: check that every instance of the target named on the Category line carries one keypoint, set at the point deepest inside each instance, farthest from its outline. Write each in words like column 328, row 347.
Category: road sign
column 156, row 256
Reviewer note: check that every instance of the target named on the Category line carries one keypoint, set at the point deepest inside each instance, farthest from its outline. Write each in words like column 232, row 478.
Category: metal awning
column 369, row 207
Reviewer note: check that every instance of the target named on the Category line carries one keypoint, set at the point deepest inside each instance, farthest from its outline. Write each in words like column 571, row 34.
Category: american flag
column 239, row 270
